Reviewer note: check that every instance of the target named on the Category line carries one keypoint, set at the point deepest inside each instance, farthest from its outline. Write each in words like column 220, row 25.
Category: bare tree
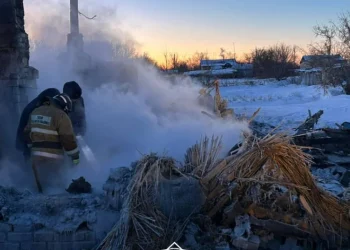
column 247, row 58
column 125, row 49
column 146, row 58
column 166, row 58
column 343, row 32
column 222, row 53
column 294, row 54
column 328, row 43
column 276, row 61
column 194, row 61
column 175, row 60
column 230, row 55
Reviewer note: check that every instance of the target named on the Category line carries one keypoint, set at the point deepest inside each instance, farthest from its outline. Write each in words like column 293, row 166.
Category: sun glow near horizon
column 185, row 27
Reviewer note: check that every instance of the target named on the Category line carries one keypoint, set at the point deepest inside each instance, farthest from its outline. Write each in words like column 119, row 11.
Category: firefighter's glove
column 76, row 161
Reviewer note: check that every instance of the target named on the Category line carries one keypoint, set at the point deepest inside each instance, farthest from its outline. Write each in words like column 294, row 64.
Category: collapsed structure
column 262, row 196
column 268, row 193
column 271, row 191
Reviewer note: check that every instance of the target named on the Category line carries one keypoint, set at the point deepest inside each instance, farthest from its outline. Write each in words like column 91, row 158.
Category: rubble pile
column 261, row 196
column 270, row 182
column 329, row 148
column 271, row 191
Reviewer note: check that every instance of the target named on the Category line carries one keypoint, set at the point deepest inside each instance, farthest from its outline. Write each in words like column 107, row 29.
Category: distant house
column 321, row 61
column 218, row 64
column 241, row 69
column 220, row 73
column 172, row 71
column 317, row 69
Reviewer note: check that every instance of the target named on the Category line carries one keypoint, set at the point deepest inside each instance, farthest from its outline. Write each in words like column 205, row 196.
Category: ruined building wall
column 17, row 78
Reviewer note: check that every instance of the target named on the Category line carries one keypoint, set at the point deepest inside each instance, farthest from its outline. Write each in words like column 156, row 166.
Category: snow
column 210, row 72
column 286, row 104
column 309, row 70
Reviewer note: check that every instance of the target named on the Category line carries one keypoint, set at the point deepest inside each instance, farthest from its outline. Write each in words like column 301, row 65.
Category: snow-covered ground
column 286, row 104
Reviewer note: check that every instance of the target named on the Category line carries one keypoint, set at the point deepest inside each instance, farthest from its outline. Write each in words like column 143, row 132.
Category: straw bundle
column 202, row 157
column 274, row 160
column 141, row 224
column 220, row 104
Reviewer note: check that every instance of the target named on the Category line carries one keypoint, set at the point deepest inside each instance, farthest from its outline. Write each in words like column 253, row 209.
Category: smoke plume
column 129, row 116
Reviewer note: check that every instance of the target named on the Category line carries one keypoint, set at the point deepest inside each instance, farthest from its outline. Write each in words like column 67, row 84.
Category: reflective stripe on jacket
column 49, row 133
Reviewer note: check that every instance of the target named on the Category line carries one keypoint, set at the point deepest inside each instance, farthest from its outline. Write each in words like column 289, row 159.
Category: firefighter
column 49, row 133
column 77, row 116
column 20, row 141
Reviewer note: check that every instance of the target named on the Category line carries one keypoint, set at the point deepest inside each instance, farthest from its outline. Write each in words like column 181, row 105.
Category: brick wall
column 15, row 72
column 17, row 78
column 27, row 238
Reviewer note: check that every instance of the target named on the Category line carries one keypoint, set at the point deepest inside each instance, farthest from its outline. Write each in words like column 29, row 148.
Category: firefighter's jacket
column 49, row 133
column 20, row 141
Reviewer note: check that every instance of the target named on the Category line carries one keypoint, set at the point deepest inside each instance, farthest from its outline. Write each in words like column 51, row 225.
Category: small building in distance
column 207, row 64
column 320, row 69
column 240, row 69
column 321, row 61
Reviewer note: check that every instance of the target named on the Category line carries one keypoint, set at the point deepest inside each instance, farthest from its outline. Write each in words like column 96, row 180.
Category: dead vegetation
column 263, row 189
column 142, row 225
column 217, row 105
column 267, row 163
column 203, row 156
column 269, row 180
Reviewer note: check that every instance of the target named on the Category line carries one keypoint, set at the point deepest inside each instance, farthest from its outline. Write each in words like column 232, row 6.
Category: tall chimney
column 74, row 17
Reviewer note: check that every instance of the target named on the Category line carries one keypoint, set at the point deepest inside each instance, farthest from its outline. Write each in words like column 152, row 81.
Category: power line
column 87, row 16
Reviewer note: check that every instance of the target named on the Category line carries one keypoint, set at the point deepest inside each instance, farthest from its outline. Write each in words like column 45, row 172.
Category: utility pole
column 74, row 17
column 234, row 51
column 75, row 42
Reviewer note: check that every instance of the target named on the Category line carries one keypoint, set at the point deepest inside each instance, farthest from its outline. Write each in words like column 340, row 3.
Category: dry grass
column 274, row 159
column 202, row 157
column 142, row 224
column 270, row 161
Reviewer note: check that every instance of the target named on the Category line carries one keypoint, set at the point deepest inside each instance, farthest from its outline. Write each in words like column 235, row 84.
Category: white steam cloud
column 154, row 115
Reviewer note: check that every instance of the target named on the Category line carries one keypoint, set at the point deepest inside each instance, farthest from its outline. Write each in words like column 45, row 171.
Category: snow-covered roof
column 244, row 66
column 217, row 62
column 210, row 72
column 309, row 70
column 308, row 58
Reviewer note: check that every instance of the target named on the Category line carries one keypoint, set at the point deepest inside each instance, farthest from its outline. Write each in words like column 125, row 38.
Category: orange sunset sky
column 187, row 26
